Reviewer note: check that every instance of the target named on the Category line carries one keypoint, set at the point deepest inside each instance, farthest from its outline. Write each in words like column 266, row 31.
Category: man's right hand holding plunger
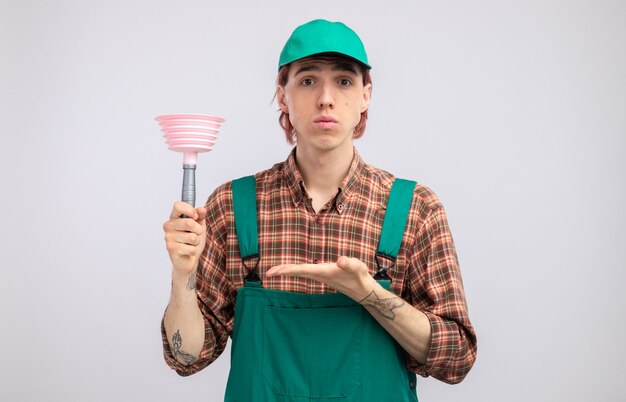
column 185, row 238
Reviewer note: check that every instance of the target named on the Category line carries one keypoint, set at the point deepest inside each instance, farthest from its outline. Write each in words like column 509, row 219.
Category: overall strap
column 396, row 216
column 244, row 208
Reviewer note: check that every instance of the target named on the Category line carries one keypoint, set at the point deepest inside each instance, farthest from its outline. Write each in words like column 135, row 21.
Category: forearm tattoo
column 191, row 283
column 382, row 306
column 181, row 355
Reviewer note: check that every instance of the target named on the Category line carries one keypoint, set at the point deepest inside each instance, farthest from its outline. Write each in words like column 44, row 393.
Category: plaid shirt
column 426, row 275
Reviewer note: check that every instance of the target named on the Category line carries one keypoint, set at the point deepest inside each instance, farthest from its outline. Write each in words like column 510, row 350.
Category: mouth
column 325, row 122
column 324, row 119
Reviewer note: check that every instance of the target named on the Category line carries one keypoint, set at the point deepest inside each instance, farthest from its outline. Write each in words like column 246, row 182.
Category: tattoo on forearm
column 191, row 283
column 383, row 306
column 181, row 355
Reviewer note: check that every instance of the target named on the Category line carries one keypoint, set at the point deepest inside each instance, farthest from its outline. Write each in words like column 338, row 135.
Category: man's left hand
column 349, row 276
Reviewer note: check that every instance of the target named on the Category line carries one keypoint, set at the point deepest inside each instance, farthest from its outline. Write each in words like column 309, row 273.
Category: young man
column 325, row 306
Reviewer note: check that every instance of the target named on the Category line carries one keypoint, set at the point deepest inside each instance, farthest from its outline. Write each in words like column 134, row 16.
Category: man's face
column 324, row 98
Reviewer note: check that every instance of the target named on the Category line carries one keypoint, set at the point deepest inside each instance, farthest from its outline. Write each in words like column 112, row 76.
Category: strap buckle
column 253, row 275
column 381, row 269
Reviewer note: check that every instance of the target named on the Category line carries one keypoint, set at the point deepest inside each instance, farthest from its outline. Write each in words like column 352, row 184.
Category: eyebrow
column 336, row 66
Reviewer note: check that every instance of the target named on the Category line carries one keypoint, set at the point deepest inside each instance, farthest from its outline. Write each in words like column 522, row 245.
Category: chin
column 330, row 144
column 325, row 140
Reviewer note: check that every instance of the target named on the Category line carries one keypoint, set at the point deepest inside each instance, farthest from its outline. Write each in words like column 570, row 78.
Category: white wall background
column 514, row 112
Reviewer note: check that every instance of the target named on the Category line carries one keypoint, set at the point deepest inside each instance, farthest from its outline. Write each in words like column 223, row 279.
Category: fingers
column 201, row 214
column 349, row 276
column 189, row 238
column 312, row 271
column 183, row 225
column 192, row 222
column 316, row 271
column 185, row 234
column 182, row 208
column 281, row 270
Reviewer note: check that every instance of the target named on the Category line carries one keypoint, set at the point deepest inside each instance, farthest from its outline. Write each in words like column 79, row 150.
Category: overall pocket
column 313, row 352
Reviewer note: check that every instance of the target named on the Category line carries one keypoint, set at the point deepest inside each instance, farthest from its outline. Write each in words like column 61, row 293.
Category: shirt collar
column 294, row 181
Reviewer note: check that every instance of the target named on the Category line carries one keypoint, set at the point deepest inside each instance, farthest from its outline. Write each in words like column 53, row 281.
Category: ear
column 367, row 96
column 281, row 99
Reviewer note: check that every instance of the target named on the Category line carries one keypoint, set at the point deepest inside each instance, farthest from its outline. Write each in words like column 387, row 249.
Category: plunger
column 189, row 134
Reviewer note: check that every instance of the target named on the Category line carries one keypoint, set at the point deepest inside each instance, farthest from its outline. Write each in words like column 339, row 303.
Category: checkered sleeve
column 214, row 291
column 436, row 288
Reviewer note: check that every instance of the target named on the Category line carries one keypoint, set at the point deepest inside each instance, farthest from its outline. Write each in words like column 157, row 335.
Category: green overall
column 296, row 347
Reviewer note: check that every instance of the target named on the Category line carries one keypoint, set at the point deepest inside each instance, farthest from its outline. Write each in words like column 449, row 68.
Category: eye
column 344, row 82
column 307, row 82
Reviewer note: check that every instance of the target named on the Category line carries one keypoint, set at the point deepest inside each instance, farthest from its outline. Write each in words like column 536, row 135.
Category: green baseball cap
column 321, row 36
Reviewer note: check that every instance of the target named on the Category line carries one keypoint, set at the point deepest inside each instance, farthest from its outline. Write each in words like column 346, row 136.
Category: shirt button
column 412, row 384
column 316, row 260
column 340, row 207
column 318, row 220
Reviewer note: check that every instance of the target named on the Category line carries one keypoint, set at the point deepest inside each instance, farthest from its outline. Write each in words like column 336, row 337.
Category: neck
column 324, row 172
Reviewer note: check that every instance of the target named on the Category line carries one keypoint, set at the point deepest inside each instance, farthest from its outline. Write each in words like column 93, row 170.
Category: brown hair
column 283, row 119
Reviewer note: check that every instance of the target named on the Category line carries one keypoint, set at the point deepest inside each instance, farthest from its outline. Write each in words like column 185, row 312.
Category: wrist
column 184, row 282
column 368, row 285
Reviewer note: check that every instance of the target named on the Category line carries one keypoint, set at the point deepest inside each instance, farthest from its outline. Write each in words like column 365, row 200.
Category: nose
column 326, row 97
